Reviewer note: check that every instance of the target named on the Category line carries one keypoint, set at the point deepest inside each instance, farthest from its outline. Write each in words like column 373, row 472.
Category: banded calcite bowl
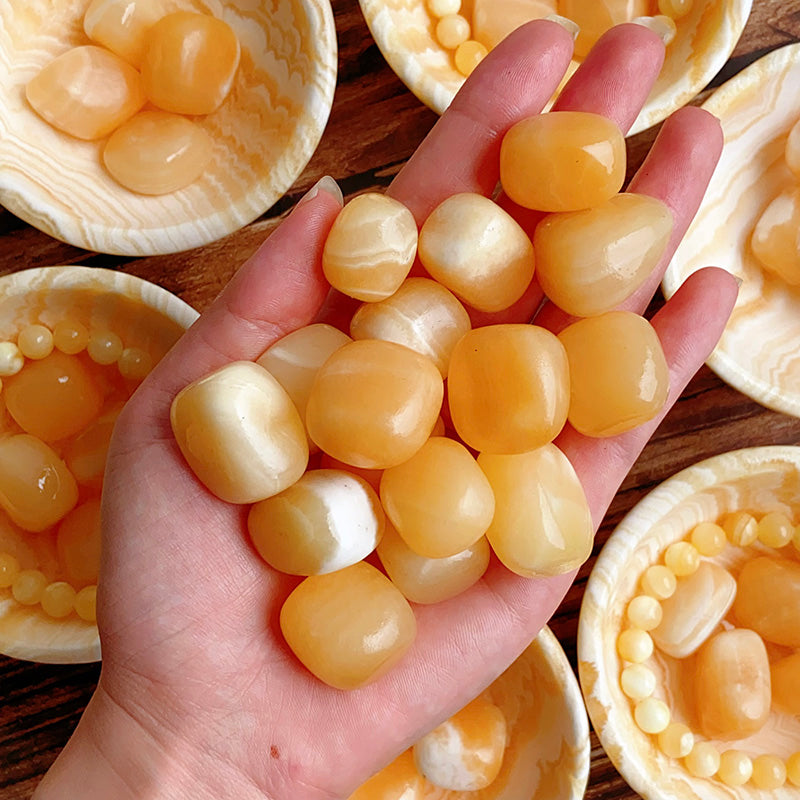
column 758, row 353
column 404, row 32
column 548, row 752
column 145, row 316
column 757, row 480
column 264, row 133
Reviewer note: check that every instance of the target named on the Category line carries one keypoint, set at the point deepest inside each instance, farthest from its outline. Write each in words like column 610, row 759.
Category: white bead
column 638, row 681
column 652, row 715
column 11, row 359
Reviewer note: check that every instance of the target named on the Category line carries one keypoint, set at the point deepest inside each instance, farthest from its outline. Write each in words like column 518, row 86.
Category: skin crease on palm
column 199, row 696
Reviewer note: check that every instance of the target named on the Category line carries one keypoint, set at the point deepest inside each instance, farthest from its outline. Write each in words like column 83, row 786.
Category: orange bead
column 86, row 603
column 776, row 236
column 36, row 488
column 348, row 627
column 508, row 388
column 156, row 152
column 421, row 314
column 190, row 63
column 439, row 500
column 86, row 92
column 732, row 685
column 240, row 433
column 542, row 524
column 468, row 55
column 431, row 580
column 465, row 752
column 78, row 544
column 53, row 398
column 122, row 25
column 768, row 599
column 374, row 404
column 618, row 374
column 590, row 261
column 326, row 521
column 370, row 248
column 562, row 161
column 58, row 599
column 398, row 781
column 478, row 251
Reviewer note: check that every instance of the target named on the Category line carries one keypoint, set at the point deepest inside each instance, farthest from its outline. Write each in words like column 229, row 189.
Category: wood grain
column 374, row 126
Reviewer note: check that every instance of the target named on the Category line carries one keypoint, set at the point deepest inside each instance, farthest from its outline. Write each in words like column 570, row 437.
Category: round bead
column 644, row 612
column 468, row 55
column 793, row 768
column 741, row 528
column 104, row 347
column 651, row 715
column 86, row 603
column 9, row 569
column 709, row 539
column 682, row 558
column 676, row 740
column 28, row 586
column 735, row 768
column 441, row 8
column 452, row 30
column 70, row 336
column 638, row 681
column 134, row 364
column 11, row 359
column 703, row 761
column 635, row 645
column 659, row 581
column 58, row 599
column 775, row 530
column 35, row 341
column 769, row 772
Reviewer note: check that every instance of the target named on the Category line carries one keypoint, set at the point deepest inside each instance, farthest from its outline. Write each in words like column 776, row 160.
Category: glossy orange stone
column 348, row 627
column 86, row 454
column 493, row 20
column 786, row 683
column 618, row 374
column 597, row 16
column 508, row 388
column 562, row 161
column 122, row 25
column 776, row 237
column 78, row 543
column 374, row 404
column 397, row 781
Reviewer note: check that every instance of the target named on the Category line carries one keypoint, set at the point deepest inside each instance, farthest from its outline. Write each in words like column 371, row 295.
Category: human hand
column 199, row 695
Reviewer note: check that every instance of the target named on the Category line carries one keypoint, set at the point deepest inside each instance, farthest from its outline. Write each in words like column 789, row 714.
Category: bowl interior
column 264, row 133
column 705, row 38
column 758, row 353
column 758, row 480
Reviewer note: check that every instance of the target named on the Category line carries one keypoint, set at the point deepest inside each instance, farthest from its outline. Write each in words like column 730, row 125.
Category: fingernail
column 569, row 25
column 739, row 281
column 324, row 184
column 661, row 25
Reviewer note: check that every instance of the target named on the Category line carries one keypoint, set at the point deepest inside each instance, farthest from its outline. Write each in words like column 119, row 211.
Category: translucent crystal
column 776, row 237
column 493, row 20
column 122, row 25
column 786, row 683
column 78, row 542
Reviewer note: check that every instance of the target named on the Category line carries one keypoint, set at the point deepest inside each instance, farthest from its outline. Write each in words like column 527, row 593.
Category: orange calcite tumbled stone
column 562, row 161
column 768, row 599
column 590, row 261
column 240, row 433
column 431, row 580
column 86, row 92
column 732, row 685
column 478, row 251
column 508, row 388
column 86, row 454
column 326, row 521
column 397, row 781
column 370, row 248
column 618, row 374
column 776, row 237
column 122, row 25
column 53, row 398
column 786, row 684
column 595, row 17
column 190, row 63
column 421, row 314
column 465, row 752
column 36, row 488
column 439, row 500
column 156, row 152
column 348, row 627
column 493, row 20
column 78, row 544
column 542, row 524
column 374, row 404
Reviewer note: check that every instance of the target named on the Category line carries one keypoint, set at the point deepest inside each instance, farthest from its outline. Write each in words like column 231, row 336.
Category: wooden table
column 375, row 125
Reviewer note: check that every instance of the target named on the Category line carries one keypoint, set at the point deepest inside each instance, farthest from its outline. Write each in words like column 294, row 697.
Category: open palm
column 195, row 671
